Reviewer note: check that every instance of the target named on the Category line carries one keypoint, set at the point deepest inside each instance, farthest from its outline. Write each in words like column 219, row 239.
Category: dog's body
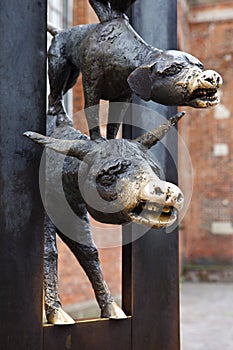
column 115, row 63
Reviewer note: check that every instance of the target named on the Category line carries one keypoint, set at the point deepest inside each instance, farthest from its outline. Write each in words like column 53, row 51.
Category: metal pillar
column 22, row 107
column 154, row 265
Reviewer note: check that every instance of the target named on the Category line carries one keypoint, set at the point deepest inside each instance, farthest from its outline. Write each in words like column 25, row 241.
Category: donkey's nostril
column 210, row 80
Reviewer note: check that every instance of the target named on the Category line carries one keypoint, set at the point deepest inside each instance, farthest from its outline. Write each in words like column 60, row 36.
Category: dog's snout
column 211, row 77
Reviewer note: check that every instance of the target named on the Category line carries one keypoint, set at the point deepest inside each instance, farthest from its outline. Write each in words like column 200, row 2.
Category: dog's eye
column 200, row 65
column 172, row 70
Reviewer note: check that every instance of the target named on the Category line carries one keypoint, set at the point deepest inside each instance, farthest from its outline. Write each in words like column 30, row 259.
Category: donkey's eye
column 108, row 175
column 105, row 179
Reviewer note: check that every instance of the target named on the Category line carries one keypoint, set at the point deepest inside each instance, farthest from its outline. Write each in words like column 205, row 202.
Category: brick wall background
column 207, row 230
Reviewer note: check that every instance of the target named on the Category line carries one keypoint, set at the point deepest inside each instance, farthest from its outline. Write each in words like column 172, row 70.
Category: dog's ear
column 140, row 81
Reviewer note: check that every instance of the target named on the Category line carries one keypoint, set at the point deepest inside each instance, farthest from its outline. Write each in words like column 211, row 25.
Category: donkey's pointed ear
column 140, row 82
column 73, row 148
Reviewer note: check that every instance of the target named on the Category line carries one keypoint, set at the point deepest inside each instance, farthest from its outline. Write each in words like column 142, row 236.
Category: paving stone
column 206, row 316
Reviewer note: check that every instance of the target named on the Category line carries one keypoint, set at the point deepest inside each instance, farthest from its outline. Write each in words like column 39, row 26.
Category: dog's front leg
column 117, row 111
column 102, row 9
column 92, row 109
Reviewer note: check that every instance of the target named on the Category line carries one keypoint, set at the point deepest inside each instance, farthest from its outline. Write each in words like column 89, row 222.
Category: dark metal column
column 155, row 285
column 22, row 107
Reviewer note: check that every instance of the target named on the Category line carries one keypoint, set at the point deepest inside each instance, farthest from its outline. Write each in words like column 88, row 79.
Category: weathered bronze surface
column 129, row 183
column 115, row 63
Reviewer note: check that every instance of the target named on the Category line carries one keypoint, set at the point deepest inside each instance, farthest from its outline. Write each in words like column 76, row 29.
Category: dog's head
column 176, row 78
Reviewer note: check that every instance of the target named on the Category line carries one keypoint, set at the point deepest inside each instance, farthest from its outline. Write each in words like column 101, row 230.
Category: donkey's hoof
column 113, row 311
column 59, row 317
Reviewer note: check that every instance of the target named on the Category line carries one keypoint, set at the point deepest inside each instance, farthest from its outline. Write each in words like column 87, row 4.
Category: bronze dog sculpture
column 115, row 62
column 129, row 188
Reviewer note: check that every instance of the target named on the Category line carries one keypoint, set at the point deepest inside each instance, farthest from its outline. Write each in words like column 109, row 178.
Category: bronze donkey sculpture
column 128, row 186
column 115, row 62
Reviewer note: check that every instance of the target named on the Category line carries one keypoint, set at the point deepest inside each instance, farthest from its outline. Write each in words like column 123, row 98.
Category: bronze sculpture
column 130, row 66
column 130, row 187
column 128, row 181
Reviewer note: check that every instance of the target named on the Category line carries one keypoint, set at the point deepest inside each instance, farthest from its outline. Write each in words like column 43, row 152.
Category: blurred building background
column 205, row 29
column 206, row 236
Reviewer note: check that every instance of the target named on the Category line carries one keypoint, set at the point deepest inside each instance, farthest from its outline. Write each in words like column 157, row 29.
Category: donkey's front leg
column 88, row 258
column 53, row 309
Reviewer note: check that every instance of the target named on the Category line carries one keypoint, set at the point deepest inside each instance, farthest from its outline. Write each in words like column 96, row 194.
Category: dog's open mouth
column 202, row 98
column 203, row 89
column 149, row 214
